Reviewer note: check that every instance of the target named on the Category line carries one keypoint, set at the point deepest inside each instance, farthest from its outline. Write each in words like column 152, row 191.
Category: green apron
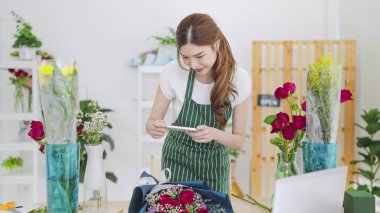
column 189, row 160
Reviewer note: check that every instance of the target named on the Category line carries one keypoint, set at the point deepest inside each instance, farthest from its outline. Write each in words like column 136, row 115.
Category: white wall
column 360, row 21
column 104, row 35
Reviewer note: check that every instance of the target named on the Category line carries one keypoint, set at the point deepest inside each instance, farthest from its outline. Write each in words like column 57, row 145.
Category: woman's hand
column 157, row 129
column 204, row 134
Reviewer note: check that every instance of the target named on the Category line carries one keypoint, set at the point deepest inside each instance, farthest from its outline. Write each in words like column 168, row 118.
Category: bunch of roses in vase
column 289, row 130
column 176, row 198
column 23, row 83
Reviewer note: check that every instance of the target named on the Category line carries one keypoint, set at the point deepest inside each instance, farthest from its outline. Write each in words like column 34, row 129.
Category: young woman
column 205, row 87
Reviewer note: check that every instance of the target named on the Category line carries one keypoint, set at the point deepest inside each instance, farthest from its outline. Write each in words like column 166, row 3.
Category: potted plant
column 26, row 41
column 12, row 162
column 370, row 153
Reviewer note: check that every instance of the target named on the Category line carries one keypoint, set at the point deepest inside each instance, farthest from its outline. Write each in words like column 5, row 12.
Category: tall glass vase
column 58, row 83
column 286, row 166
column 95, row 189
column 62, row 166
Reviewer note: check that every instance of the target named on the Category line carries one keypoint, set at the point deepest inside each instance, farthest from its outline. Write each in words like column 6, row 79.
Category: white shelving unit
column 27, row 176
column 144, row 105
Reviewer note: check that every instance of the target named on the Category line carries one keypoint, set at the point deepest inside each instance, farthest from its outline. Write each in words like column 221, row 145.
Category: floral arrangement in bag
column 176, row 199
column 324, row 95
column 22, row 81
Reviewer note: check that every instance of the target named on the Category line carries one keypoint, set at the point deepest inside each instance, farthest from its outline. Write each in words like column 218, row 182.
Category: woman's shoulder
column 241, row 75
column 173, row 69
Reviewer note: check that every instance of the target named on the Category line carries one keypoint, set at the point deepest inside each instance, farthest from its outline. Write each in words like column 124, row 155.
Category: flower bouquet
column 323, row 97
column 176, row 197
column 58, row 83
column 289, row 130
column 23, row 83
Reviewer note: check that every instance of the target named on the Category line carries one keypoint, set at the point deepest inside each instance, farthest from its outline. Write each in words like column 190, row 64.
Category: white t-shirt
column 173, row 82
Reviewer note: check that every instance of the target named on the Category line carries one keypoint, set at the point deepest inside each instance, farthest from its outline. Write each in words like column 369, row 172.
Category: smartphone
column 181, row 128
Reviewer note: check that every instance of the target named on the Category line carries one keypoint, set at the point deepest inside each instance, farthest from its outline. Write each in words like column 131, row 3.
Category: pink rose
column 36, row 130
column 203, row 210
column 303, row 105
column 289, row 87
column 276, row 126
column 80, row 129
column 345, row 95
column 283, row 117
column 165, row 199
column 281, row 93
column 289, row 131
column 299, row 122
column 187, row 196
column 42, row 149
column 30, row 82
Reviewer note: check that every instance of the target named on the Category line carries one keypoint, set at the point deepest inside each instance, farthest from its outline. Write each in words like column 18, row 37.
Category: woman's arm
column 233, row 140
column 155, row 125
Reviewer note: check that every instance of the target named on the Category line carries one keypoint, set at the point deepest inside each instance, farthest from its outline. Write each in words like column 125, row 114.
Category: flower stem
column 254, row 202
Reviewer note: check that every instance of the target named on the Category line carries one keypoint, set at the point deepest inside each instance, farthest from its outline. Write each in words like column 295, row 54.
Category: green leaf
column 295, row 107
column 376, row 191
column 105, row 110
column 368, row 174
column 269, row 119
column 111, row 176
column 364, row 142
column 363, row 187
column 109, row 140
column 372, row 128
column 372, row 116
column 374, row 149
column 276, row 141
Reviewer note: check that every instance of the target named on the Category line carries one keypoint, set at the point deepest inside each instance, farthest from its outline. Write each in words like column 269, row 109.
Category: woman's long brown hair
column 201, row 30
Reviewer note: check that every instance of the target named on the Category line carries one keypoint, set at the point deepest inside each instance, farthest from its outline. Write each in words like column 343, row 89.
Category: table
column 238, row 205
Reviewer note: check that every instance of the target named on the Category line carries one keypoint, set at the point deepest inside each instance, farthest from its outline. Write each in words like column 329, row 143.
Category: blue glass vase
column 319, row 156
column 62, row 165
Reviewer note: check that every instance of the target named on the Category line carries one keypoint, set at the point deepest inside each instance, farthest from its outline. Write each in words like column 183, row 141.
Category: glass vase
column 286, row 166
column 95, row 189
column 62, row 166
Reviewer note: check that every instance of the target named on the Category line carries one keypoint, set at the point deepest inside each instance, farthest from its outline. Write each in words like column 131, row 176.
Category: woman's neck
column 204, row 79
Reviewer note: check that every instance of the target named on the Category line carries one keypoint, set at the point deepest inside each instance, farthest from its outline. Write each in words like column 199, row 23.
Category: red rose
column 36, row 130
column 203, row 210
column 299, row 122
column 281, row 93
column 276, row 126
column 80, row 129
column 303, row 105
column 11, row 70
column 289, row 87
column 187, row 196
column 283, row 117
column 165, row 199
column 183, row 211
column 345, row 95
column 289, row 132
column 42, row 149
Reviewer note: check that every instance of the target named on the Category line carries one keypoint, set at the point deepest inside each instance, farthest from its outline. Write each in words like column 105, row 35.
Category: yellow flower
column 46, row 72
column 7, row 206
column 68, row 72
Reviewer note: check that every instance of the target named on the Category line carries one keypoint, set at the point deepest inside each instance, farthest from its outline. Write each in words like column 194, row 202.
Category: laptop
column 321, row 191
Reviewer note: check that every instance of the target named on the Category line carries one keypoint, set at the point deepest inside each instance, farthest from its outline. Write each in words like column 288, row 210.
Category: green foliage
column 167, row 40
column 11, row 162
column 234, row 153
column 24, row 36
column 370, row 152
column 85, row 107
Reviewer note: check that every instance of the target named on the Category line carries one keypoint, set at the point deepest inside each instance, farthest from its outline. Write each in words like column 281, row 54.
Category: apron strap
column 190, row 84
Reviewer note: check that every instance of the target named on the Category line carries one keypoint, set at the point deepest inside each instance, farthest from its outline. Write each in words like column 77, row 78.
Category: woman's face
column 199, row 58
